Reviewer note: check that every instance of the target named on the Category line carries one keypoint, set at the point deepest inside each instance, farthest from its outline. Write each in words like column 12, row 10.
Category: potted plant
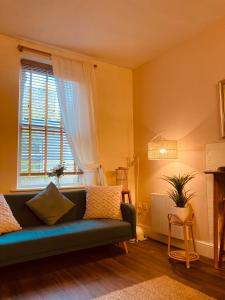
column 179, row 195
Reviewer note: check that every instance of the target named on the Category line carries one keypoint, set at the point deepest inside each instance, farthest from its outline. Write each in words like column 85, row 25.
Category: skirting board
column 203, row 248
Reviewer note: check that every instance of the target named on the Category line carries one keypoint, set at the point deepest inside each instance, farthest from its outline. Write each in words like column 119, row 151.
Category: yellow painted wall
column 9, row 94
column 176, row 96
column 114, row 112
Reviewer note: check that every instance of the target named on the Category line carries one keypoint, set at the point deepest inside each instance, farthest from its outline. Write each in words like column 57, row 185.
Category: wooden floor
column 94, row 272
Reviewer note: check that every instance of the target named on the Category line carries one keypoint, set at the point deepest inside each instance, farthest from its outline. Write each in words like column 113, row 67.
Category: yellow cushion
column 103, row 202
column 7, row 221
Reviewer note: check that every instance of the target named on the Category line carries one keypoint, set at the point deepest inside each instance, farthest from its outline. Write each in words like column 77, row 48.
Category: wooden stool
column 183, row 255
column 222, row 252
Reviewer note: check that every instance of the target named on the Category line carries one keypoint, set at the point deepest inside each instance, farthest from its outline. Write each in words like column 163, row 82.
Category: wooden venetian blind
column 43, row 142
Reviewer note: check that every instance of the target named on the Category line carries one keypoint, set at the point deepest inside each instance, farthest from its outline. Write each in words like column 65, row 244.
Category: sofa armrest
column 129, row 215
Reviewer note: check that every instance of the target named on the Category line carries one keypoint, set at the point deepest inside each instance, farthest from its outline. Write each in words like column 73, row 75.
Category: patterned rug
column 160, row 288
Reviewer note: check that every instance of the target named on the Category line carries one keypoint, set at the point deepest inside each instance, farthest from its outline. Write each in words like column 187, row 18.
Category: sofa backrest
column 27, row 218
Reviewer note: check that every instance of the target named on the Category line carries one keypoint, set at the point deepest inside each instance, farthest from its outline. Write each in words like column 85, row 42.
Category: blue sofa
column 37, row 240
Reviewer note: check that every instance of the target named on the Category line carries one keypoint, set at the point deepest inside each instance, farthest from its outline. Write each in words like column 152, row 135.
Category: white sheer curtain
column 75, row 87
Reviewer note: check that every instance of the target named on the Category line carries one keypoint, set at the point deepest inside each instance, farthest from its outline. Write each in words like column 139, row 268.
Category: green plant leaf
column 178, row 194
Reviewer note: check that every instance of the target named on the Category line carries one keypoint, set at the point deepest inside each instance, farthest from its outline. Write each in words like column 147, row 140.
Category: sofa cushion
column 50, row 205
column 103, row 202
column 7, row 221
column 41, row 241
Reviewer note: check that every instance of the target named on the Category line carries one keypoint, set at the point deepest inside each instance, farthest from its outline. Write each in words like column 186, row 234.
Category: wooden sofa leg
column 124, row 244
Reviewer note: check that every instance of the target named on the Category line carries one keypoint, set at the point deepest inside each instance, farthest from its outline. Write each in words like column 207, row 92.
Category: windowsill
column 37, row 189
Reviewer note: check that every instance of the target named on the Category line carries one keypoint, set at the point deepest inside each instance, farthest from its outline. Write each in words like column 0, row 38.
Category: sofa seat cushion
column 32, row 242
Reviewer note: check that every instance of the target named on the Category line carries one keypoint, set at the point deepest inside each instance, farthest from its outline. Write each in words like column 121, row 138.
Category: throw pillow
column 7, row 221
column 50, row 205
column 103, row 202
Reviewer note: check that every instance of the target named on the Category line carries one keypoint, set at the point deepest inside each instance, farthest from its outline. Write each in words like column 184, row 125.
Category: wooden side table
column 219, row 194
column 222, row 240
column 185, row 255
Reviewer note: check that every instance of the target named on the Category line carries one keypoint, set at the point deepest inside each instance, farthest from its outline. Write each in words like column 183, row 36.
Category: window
column 42, row 140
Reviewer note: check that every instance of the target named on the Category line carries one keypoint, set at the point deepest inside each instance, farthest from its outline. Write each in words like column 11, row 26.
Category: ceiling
column 123, row 32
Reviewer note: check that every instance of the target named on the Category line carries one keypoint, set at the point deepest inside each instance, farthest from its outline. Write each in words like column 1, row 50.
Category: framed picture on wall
column 222, row 106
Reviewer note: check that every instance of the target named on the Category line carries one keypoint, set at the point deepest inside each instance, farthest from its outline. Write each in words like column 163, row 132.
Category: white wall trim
column 204, row 248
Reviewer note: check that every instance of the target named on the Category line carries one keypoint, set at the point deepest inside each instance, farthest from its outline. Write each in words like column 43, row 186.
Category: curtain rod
column 21, row 48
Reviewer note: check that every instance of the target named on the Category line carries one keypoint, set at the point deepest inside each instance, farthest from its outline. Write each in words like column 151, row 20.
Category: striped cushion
column 7, row 221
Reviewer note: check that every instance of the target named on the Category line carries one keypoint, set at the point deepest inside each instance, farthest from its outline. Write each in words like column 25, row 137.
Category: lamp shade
column 162, row 149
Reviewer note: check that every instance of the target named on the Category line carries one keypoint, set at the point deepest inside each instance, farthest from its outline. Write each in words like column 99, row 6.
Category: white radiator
column 160, row 207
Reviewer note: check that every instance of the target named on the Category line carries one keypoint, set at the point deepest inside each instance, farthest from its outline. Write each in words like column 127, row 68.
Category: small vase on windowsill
column 57, row 172
column 57, row 182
